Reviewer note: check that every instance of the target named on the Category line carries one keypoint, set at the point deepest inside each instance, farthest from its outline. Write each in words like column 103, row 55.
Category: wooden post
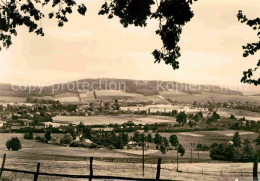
column 37, row 172
column 143, row 154
column 91, row 169
column 158, row 169
column 255, row 168
column 3, row 165
column 177, row 161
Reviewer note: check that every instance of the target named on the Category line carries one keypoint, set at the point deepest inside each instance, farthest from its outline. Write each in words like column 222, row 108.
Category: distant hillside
column 146, row 88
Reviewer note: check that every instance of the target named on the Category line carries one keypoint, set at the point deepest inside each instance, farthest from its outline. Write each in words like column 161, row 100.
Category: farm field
column 226, row 112
column 204, row 97
column 59, row 159
column 13, row 99
column 105, row 120
column 67, row 97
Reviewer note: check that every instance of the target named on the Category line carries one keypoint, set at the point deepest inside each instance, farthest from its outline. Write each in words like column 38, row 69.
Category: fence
column 90, row 176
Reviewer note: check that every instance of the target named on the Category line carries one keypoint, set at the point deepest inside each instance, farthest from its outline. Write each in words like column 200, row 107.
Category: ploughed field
column 127, row 162
column 105, row 120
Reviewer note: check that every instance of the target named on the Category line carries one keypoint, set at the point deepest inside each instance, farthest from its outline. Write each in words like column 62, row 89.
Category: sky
column 92, row 46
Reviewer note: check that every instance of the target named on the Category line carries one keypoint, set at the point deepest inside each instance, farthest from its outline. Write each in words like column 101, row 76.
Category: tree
column 25, row 13
column 250, row 48
column 137, row 137
column 157, row 139
column 181, row 118
column 47, row 135
column 13, row 144
column 149, row 138
column 181, row 150
column 28, row 135
column 232, row 116
column 162, row 148
column 236, row 139
column 165, row 142
column 66, row 139
column 171, row 15
column 174, row 140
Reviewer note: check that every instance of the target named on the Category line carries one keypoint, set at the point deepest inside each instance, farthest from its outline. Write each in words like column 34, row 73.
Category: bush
column 78, row 144
column 28, row 135
column 67, row 139
column 40, row 139
column 111, row 147
column 93, row 145
column 13, row 144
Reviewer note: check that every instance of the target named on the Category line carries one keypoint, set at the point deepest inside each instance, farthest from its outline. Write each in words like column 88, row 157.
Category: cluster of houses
column 164, row 108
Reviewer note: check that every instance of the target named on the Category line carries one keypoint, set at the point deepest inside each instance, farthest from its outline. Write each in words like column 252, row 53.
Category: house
column 26, row 122
column 2, row 123
column 15, row 125
column 132, row 144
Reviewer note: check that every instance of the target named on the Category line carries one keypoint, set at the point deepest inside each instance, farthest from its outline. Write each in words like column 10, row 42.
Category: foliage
column 214, row 117
column 172, row 16
column 237, row 151
column 181, row 118
column 28, row 135
column 25, row 13
column 236, row 139
column 250, row 48
column 149, row 138
column 110, row 138
column 13, row 144
column 157, row 139
column 174, row 140
column 67, row 139
column 40, row 139
column 232, row 116
column 181, row 149
column 47, row 135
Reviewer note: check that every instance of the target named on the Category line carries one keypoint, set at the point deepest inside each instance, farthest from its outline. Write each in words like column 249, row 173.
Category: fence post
column 3, row 165
column 158, row 169
column 91, row 169
column 37, row 172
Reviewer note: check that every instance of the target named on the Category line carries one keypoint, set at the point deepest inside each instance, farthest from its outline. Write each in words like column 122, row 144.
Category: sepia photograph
column 141, row 90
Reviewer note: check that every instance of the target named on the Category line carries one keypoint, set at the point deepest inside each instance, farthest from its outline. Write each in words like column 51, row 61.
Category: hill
column 143, row 87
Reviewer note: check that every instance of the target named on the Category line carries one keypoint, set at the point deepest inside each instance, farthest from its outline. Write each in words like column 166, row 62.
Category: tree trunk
column 255, row 169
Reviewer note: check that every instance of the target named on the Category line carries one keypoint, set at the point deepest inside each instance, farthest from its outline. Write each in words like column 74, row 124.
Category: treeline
column 236, row 150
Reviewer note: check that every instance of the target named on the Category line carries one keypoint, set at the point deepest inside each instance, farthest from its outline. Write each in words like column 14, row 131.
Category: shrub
column 111, row 147
column 13, row 144
column 67, row 139
column 28, row 135
column 93, row 145
column 40, row 139
column 78, row 144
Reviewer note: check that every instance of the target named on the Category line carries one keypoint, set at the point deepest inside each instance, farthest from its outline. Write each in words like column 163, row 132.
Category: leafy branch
column 250, row 49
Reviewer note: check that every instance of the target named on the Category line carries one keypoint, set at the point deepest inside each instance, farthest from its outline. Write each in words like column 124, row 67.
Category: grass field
column 105, row 120
column 58, row 159
column 13, row 99
column 205, row 97
column 226, row 112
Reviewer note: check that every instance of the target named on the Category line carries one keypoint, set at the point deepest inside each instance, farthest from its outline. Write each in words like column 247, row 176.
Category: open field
column 105, row 120
column 226, row 112
column 67, row 97
column 58, row 159
column 204, row 97
column 13, row 99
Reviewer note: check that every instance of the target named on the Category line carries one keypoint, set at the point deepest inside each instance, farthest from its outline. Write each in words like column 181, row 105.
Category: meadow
column 105, row 120
column 60, row 159
column 226, row 112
